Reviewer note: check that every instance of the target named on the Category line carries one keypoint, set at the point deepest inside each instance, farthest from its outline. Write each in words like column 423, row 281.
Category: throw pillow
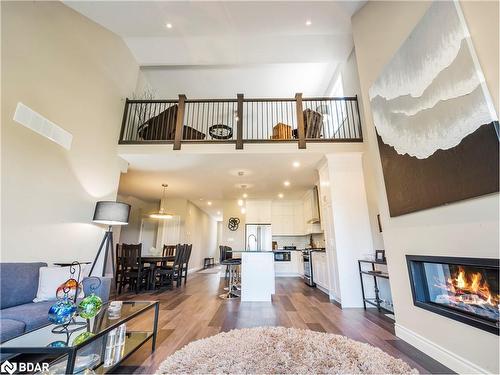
column 50, row 279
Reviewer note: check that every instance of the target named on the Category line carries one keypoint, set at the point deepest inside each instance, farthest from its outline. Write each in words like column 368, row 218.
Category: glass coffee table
column 108, row 344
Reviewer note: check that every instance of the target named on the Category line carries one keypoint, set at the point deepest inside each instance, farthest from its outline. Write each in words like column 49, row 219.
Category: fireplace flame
column 465, row 285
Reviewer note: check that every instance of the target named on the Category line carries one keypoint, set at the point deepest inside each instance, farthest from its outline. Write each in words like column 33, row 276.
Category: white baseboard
column 440, row 354
column 323, row 289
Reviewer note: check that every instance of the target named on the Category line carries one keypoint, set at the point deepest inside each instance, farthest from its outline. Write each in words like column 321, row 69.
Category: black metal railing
column 241, row 120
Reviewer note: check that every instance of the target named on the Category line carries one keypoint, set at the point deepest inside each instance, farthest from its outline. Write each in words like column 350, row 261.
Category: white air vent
column 39, row 124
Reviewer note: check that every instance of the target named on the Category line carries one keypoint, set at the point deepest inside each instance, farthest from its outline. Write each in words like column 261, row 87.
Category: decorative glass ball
column 57, row 344
column 69, row 288
column 89, row 306
column 84, row 336
column 62, row 311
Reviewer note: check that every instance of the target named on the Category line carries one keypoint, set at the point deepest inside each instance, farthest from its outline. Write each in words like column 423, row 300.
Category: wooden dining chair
column 185, row 262
column 169, row 250
column 132, row 272
column 167, row 275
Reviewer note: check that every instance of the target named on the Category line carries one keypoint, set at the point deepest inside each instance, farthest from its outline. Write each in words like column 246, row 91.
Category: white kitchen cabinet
column 320, row 270
column 287, row 218
column 258, row 212
column 295, row 267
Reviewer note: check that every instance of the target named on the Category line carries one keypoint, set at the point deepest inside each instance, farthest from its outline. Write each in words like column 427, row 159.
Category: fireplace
column 464, row 289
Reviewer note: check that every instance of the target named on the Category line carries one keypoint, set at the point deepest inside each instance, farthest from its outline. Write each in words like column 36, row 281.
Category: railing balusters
column 250, row 120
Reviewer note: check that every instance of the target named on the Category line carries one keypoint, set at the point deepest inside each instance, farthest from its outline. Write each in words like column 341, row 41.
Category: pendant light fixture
column 162, row 214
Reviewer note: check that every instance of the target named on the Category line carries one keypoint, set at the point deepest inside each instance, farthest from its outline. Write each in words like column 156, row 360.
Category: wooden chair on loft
column 132, row 272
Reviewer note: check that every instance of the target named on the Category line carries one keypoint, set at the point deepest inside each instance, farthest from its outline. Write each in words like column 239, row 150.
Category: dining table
column 153, row 261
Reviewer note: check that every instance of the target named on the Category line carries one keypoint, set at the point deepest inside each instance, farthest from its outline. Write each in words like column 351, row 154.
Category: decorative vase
column 84, row 336
column 89, row 306
column 70, row 287
column 62, row 311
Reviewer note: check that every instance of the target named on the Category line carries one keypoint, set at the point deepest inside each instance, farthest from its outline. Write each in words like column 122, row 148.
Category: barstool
column 232, row 266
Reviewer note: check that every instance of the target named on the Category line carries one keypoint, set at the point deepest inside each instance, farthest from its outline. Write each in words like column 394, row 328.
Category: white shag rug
column 279, row 350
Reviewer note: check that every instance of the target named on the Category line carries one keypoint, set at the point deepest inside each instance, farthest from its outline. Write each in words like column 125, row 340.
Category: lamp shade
column 111, row 213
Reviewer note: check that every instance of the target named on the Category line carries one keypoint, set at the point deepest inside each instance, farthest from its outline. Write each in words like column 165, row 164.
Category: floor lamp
column 109, row 213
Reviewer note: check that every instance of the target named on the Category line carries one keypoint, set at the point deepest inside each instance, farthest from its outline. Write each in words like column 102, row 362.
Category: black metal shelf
column 377, row 302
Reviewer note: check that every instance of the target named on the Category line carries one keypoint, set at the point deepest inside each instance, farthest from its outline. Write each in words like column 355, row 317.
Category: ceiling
column 204, row 178
column 217, row 49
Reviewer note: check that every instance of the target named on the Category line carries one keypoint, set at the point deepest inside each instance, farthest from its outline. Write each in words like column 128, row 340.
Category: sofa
column 19, row 286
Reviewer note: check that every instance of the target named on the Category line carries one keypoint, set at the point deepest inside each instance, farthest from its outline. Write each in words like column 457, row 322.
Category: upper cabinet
column 295, row 217
column 287, row 218
column 258, row 212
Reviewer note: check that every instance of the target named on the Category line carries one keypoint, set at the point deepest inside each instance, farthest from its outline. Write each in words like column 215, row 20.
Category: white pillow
column 50, row 279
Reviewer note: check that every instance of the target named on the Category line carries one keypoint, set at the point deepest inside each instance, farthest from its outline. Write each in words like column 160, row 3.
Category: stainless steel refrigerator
column 258, row 237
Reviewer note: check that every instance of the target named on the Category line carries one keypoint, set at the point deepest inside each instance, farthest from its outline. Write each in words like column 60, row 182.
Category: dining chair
column 169, row 250
column 185, row 262
column 132, row 271
column 169, row 274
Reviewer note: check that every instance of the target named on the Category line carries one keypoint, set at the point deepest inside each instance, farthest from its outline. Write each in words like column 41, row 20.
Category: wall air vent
column 39, row 124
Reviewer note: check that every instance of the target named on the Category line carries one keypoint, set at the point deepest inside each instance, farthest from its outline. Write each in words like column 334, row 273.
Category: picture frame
column 380, row 256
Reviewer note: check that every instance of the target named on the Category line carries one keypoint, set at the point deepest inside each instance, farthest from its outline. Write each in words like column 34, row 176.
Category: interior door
column 148, row 234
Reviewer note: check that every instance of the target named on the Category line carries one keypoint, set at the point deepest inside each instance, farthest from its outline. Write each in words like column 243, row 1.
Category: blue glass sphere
column 62, row 311
column 57, row 344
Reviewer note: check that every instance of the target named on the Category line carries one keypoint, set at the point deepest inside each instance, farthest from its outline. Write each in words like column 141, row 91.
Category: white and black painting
column 436, row 125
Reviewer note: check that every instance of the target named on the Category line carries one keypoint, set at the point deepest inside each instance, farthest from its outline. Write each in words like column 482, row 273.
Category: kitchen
column 292, row 230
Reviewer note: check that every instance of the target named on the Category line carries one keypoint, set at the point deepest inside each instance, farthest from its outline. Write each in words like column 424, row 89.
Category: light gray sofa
column 18, row 288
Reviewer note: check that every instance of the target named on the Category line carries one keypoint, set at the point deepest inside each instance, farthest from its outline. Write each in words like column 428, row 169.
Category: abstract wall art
column 436, row 125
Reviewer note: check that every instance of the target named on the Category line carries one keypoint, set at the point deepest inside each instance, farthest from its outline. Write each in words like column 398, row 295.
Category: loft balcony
column 241, row 120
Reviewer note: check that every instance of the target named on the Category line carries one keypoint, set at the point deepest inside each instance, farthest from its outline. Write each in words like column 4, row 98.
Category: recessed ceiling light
column 296, row 164
column 308, row 23
column 245, row 195
column 280, row 195
column 209, row 203
column 218, row 212
column 286, row 183
column 169, row 25
column 240, row 202
column 243, row 210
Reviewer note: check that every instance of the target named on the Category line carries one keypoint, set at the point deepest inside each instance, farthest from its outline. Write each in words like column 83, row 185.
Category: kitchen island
column 257, row 275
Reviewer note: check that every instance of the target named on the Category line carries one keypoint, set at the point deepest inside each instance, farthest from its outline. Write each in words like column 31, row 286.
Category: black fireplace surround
column 463, row 289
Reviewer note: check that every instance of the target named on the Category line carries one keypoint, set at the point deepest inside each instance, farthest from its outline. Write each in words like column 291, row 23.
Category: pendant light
column 162, row 214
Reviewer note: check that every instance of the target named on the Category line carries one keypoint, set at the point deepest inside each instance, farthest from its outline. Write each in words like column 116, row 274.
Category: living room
column 427, row 197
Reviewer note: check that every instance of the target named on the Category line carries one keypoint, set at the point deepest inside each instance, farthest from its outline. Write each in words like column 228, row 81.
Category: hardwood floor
column 194, row 311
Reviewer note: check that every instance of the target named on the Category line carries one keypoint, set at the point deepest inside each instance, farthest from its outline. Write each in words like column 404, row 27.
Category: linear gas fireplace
column 464, row 289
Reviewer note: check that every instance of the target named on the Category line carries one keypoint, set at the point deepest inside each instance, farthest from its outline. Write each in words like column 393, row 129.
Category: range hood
column 316, row 218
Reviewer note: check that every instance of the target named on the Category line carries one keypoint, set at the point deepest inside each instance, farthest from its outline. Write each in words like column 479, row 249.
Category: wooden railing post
column 300, row 121
column 124, row 122
column 239, row 124
column 179, row 122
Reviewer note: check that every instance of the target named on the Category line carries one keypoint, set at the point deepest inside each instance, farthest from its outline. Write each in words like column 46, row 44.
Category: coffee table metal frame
column 71, row 351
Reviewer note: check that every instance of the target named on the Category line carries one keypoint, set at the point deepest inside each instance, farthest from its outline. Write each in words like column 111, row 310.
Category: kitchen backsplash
column 301, row 242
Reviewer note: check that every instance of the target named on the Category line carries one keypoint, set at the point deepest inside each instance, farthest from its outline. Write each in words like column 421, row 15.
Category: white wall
column 75, row 73
column 349, row 222
column 469, row 228
column 234, row 239
column 189, row 225
column 139, row 210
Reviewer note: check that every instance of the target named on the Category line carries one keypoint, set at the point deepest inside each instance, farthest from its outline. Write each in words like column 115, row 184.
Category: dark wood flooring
column 195, row 311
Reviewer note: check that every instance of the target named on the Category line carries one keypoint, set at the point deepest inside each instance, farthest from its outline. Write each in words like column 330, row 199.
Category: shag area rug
column 279, row 350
